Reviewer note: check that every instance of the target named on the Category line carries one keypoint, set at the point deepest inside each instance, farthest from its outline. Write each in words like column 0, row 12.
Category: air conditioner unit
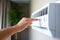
column 49, row 16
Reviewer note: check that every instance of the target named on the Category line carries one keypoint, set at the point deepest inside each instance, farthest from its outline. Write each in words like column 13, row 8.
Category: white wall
column 34, row 34
column 36, row 4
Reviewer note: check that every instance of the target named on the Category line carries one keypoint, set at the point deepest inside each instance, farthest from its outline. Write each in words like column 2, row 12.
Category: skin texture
column 20, row 26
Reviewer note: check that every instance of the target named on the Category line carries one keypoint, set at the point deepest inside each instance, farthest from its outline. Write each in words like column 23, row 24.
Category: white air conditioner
column 49, row 22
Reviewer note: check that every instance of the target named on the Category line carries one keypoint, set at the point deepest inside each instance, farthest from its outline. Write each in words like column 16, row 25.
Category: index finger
column 33, row 19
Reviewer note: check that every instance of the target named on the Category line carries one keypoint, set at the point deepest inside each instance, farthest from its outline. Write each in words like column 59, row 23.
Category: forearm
column 5, row 33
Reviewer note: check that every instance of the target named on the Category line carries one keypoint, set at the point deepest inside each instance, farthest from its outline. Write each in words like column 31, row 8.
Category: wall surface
column 34, row 34
column 37, row 4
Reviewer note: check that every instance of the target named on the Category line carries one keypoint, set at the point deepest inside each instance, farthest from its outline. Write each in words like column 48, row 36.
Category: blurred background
column 11, row 11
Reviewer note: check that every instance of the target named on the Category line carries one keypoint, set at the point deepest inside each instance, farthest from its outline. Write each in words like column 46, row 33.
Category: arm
column 20, row 26
column 5, row 33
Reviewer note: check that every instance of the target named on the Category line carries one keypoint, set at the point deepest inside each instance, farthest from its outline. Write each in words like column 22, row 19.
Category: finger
column 28, row 25
column 35, row 19
column 32, row 19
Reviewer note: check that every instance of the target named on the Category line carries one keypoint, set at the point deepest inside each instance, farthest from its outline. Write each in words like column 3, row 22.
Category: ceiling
column 20, row 1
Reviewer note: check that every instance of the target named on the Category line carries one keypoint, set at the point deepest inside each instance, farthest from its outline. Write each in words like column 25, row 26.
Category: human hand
column 20, row 26
column 25, row 23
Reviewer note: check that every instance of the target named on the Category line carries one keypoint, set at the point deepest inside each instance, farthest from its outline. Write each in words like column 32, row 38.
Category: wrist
column 17, row 28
